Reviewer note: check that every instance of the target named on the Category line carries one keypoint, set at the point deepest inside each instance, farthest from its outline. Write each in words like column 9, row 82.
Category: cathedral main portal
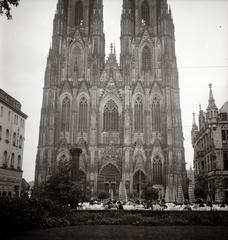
column 109, row 180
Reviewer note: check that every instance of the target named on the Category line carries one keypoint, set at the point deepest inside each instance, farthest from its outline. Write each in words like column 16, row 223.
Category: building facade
column 125, row 116
column 12, row 136
column 210, row 143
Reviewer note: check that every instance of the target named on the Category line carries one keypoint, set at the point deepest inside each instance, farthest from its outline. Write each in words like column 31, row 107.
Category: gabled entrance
column 109, row 179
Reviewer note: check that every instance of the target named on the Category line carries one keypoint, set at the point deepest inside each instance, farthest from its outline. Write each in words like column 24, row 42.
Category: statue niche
column 76, row 61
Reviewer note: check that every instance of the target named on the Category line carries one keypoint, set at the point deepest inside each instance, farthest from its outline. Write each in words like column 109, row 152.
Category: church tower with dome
column 125, row 116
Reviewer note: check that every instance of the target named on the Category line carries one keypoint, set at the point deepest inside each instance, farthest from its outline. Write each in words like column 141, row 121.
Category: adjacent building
column 12, row 136
column 210, row 143
column 125, row 116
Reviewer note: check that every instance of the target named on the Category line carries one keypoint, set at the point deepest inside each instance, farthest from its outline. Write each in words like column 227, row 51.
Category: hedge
column 19, row 215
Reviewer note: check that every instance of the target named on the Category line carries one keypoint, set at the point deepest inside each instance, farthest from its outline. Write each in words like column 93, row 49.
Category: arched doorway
column 109, row 179
column 139, row 182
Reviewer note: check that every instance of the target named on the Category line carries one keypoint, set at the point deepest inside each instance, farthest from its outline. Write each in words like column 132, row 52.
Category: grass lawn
column 111, row 232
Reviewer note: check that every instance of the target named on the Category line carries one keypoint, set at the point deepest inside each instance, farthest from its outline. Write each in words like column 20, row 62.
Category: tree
column 200, row 192
column 103, row 195
column 5, row 7
column 202, row 180
column 150, row 193
column 60, row 187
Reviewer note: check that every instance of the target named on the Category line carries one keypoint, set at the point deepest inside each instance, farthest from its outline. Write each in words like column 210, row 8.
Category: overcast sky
column 201, row 32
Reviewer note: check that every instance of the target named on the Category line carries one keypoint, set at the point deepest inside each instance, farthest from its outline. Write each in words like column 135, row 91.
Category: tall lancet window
column 83, row 112
column 146, row 58
column 157, row 170
column 138, row 112
column 65, row 114
column 78, row 13
column 111, row 120
column 156, row 115
column 145, row 13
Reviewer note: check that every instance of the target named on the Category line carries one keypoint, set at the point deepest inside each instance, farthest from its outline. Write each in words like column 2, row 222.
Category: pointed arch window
column 111, row 119
column 157, row 170
column 156, row 115
column 145, row 13
column 63, row 159
column 146, row 58
column 65, row 114
column 78, row 13
column 83, row 112
column 138, row 112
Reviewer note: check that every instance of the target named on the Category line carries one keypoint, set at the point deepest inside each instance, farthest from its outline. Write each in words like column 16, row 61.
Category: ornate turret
column 212, row 110
column 194, row 127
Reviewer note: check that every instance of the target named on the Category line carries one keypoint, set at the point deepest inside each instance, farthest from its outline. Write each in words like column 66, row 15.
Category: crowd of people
column 137, row 204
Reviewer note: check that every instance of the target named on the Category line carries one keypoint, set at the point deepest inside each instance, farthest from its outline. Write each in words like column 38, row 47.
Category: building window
column 12, row 160
column 83, row 112
column 19, row 162
column 157, row 170
column 78, row 13
column 14, row 139
column 21, row 123
column 9, row 116
column 5, row 159
column 111, row 119
column 146, row 58
column 20, row 142
column 0, row 133
column 1, row 111
column 145, row 13
column 15, row 119
column 224, row 135
column 7, row 136
column 224, row 138
column 156, row 118
column 138, row 112
column 202, row 165
column 65, row 114
column 225, row 160
column 224, row 116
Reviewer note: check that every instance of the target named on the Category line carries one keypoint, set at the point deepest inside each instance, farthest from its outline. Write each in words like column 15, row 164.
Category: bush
column 103, row 195
column 27, row 214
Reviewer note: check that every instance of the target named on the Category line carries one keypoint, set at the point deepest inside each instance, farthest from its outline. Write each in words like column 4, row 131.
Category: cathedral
column 125, row 115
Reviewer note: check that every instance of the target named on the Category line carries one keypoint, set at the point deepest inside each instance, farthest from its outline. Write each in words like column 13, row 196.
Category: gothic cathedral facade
column 125, row 116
